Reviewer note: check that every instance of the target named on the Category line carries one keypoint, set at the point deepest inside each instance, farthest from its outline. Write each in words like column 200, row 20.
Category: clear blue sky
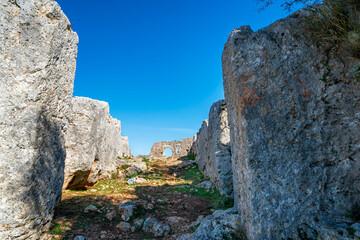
column 157, row 62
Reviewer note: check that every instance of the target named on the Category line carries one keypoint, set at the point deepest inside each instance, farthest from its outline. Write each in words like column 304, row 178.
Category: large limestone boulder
column 201, row 146
column 93, row 142
column 124, row 148
column 38, row 59
column 212, row 151
column 294, row 116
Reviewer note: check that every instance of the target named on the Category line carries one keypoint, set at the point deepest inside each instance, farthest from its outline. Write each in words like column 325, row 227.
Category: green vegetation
column 193, row 228
column 146, row 161
column 56, row 229
column 193, row 176
column 336, row 22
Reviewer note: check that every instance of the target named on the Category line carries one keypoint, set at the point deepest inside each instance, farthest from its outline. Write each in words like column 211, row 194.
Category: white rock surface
column 38, row 53
column 124, row 147
column 93, row 142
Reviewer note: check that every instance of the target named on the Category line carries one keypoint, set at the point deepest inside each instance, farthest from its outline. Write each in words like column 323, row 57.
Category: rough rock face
column 200, row 147
column 212, row 148
column 178, row 148
column 37, row 68
column 124, row 148
column 294, row 116
column 93, row 142
column 222, row 224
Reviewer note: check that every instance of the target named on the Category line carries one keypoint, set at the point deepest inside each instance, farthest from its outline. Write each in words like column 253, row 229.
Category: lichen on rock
column 93, row 143
column 37, row 70
column 294, row 138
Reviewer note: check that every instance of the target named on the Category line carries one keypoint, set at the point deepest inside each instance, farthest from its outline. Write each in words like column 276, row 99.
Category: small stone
column 93, row 190
column 149, row 206
column 90, row 208
column 110, row 215
column 156, row 227
column 137, row 224
column 124, row 226
column 79, row 238
column 206, row 185
column 140, row 180
column 131, row 181
column 174, row 220
column 127, row 209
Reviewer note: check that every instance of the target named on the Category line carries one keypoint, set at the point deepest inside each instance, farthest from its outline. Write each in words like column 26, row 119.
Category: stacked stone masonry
column 178, row 148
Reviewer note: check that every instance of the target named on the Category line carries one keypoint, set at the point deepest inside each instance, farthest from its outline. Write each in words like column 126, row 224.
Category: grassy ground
column 172, row 191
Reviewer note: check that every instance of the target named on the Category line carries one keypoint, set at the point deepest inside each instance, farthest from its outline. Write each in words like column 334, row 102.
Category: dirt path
column 168, row 193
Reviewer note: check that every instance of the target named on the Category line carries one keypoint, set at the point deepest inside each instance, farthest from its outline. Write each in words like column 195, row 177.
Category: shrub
column 336, row 22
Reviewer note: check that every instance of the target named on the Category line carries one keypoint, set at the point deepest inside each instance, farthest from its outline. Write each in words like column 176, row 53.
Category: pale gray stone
column 38, row 59
column 93, row 142
column 124, row 150
column 222, row 224
column 212, row 149
column 127, row 209
column 124, row 226
column 80, row 238
column 90, row 208
column 205, row 184
column 110, row 215
column 295, row 132
column 159, row 229
column 178, row 148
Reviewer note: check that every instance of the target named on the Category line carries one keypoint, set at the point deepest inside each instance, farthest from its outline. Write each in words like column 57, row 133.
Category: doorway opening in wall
column 177, row 148
column 168, row 152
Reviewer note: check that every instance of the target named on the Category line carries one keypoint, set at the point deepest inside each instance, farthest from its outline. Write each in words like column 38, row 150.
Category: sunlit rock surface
column 294, row 116
column 212, row 149
column 93, row 143
column 38, row 53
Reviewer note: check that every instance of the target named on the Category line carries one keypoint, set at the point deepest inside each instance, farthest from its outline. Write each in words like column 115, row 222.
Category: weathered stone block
column 38, row 59
column 212, row 149
column 93, row 142
column 294, row 117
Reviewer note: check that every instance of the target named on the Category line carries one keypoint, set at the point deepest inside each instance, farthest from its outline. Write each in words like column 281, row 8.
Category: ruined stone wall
column 38, row 59
column 93, row 143
column 178, row 148
column 294, row 116
column 212, row 149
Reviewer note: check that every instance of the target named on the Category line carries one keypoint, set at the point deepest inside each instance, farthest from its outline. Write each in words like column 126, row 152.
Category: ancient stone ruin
column 93, row 143
column 212, row 148
column 38, row 53
column 294, row 112
column 285, row 144
column 178, row 148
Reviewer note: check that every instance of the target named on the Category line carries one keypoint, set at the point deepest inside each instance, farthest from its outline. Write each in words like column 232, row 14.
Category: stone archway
column 178, row 148
column 168, row 152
